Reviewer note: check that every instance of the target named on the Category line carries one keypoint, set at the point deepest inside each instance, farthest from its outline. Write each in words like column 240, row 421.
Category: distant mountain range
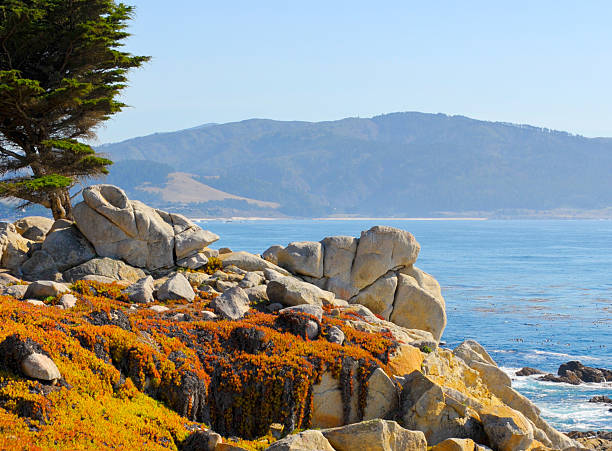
column 400, row 164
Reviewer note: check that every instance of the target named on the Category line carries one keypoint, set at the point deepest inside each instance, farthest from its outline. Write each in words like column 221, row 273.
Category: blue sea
column 534, row 292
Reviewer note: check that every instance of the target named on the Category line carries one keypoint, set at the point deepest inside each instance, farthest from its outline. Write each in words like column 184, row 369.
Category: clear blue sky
column 545, row 63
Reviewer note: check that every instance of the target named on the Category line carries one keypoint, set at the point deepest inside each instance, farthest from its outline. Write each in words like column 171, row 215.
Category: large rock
column 310, row 440
column 67, row 246
column 176, row 287
column 428, row 407
column 328, row 408
column 45, row 288
column 134, row 232
column 39, row 366
column 249, row 262
column 375, row 435
column 379, row 296
column 232, row 304
column 507, row 429
column 290, row 291
column 141, row 291
column 34, row 228
column 13, row 247
column 24, row 355
column 107, row 267
column 40, row 266
column 380, row 249
column 304, row 258
column 416, row 308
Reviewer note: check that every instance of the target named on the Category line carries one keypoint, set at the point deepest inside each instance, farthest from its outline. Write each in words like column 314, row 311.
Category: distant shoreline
column 255, row 218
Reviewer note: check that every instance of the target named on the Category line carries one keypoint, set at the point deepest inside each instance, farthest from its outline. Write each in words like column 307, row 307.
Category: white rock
column 176, row 287
column 39, row 366
column 45, row 288
column 304, row 258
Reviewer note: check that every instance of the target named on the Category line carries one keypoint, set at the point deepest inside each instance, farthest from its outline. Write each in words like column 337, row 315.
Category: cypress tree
column 61, row 72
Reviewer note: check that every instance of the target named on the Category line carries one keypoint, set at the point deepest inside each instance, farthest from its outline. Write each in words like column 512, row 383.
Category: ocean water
column 534, row 293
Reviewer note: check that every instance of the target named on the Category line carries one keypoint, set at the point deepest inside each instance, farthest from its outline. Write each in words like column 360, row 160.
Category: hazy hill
column 401, row 164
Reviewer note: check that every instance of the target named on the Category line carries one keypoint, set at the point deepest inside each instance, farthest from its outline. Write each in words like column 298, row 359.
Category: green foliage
column 426, row 349
column 61, row 72
column 214, row 264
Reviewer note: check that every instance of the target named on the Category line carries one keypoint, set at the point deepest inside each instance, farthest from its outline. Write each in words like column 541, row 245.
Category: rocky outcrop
column 375, row 270
column 134, row 232
column 310, row 440
column 34, row 228
column 106, row 267
column 13, row 247
column 375, row 435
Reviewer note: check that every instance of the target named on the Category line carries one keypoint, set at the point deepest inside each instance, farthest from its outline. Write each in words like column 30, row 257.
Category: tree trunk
column 61, row 206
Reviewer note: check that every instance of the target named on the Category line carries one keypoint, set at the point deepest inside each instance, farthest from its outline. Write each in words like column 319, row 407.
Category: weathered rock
column 290, row 291
column 192, row 240
column 36, row 302
column 527, row 371
column 327, row 405
column 13, row 247
column 202, row 441
column 271, row 254
column 382, row 398
column 223, row 285
column 208, row 316
column 339, row 253
column 8, row 279
column 34, row 228
column 335, row 335
column 45, row 288
column 379, row 296
column 176, row 287
column 68, row 301
column 67, row 246
column 257, row 294
column 375, row 435
column 366, row 321
column 507, row 429
column 134, row 232
column 232, row 304
column 41, row 266
column 425, row 406
column 193, row 262
column 456, row 444
column 141, row 291
column 251, row 279
column 16, row 291
column 159, row 308
column 415, row 308
column 310, row 440
column 405, row 360
column 477, row 358
column 39, row 366
column 107, row 267
column 601, row 399
column 570, row 378
column 308, row 309
column 304, row 258
column 26, row 356
column 249, row 262
column 380, row 249
column 584, row 373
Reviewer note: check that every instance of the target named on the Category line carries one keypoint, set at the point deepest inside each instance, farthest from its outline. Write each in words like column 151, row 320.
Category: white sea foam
column 568, row 356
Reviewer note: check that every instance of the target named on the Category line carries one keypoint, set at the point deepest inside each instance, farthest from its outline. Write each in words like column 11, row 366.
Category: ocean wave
column 569, row 356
